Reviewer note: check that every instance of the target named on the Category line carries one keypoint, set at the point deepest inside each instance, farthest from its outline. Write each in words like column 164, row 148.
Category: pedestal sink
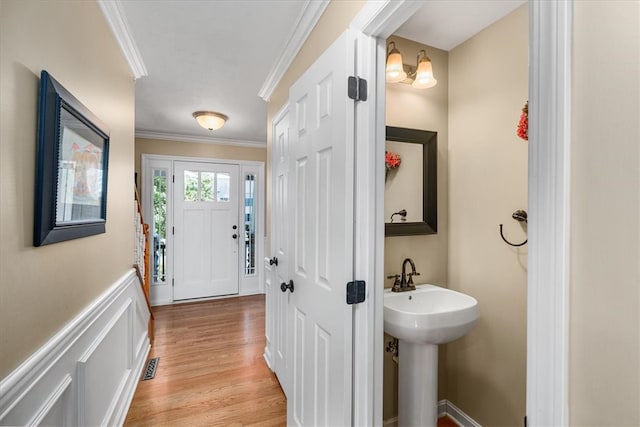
column 422, row 319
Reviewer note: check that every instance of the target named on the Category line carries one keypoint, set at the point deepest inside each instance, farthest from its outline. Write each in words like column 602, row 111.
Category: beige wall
column 425, row 109
column 41, row 289
column 334, row 21
column 194, row 149
column 488, row 85
column 604, row 385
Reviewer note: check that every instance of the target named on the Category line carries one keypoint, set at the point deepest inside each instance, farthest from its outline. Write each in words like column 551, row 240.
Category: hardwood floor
column 211, row 371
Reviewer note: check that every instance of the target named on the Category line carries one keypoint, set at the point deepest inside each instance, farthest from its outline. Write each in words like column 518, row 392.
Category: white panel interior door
column 279, row 247
column 206, row 212
column 321, row 240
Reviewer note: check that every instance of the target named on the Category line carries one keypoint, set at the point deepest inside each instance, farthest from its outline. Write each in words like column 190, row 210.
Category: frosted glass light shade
column 395, row 70
column 424, row 73
column 210, row 119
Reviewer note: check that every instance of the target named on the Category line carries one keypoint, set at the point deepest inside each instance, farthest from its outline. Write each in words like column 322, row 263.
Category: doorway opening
column 474, row 109
column 206, row 220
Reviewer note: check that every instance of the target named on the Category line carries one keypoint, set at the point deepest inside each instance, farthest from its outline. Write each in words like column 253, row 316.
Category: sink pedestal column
column 417, row 384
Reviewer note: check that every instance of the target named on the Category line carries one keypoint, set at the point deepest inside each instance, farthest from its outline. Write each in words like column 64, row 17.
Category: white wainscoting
column 269, row 313
column 87, row 373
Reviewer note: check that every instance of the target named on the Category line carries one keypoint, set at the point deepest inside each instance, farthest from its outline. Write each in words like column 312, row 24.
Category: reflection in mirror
column 403, row 184
column 410, row 206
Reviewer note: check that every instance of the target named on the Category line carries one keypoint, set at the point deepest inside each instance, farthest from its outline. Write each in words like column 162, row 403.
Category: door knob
column 285, row 286
column 235, row 236
column 273, row 261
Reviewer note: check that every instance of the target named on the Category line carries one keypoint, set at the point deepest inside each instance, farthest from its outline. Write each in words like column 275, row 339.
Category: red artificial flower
column 391, row 160
column 523, row 124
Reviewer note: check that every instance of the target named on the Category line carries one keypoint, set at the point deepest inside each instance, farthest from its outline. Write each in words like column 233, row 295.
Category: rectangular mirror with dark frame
column 411, row 195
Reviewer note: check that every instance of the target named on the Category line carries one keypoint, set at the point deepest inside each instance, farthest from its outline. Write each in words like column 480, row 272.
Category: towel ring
column 520, row 216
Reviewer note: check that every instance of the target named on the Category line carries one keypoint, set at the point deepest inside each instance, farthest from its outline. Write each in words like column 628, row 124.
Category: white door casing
column 251, row 283
column 548, row 297
column 321, row 191
column 248, row 284
column 160, row 292
column 547, row 396
column 280, row 244
column 206, row 253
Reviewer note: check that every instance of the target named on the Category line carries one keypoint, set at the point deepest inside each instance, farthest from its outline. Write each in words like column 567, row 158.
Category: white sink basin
column 421, row 320
column 429, row 315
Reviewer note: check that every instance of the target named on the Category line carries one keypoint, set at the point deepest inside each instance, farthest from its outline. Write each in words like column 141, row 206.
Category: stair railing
column 141, row 256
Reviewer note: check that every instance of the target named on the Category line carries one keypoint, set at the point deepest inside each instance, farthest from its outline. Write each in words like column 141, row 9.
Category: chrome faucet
column 404, row 282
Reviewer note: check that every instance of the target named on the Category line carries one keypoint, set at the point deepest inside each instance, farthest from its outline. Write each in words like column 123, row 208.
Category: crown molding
column 147, row 134
column 381, row 18
column 117, row 20
column 311, row 13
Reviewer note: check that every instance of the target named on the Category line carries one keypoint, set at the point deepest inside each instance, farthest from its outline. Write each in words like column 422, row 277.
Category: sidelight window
column 159, row 225
column 250, row 224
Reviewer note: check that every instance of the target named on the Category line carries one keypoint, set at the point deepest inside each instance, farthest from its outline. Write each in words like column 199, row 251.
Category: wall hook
column 402, row 213
column 520, row 216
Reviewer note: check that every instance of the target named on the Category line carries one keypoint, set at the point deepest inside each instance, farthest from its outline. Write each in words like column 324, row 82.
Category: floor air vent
column 150, row 369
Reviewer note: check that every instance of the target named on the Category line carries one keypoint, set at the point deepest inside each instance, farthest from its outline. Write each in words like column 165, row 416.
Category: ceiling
column 217, row 54
column 445, row 24
column 207, row 55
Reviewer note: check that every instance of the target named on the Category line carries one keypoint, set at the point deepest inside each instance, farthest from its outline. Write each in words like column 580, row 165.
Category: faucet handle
column 396, row 282
column 410, row 280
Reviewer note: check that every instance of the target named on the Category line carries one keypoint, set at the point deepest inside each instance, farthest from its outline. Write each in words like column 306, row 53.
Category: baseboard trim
column 205, row 299
column 444, row 408
column 251, row 292
column 108, row 340
column 120, row 412
column 456, row 414
column 391, row 422
column 267, row 359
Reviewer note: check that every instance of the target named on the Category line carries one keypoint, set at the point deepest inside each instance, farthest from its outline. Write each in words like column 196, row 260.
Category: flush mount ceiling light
column 210, row 119
column 419, row 77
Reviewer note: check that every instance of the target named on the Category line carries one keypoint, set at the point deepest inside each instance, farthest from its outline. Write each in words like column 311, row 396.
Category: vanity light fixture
column 424, row 74
column 210, row 119
column 395, row 68
column 419, row 77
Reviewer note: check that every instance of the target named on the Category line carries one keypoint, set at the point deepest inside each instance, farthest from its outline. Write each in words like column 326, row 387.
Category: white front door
column 320, row 203
column 206, row 231
column 279, row 247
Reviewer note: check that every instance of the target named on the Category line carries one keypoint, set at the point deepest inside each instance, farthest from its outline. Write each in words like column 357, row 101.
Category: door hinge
column 173, row 179
column 525, row 421
column 356, row 292
column 357, row 88
column 173, row 281
column 173, row 230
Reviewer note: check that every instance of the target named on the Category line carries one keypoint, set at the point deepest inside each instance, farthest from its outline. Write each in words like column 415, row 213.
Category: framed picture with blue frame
column 72, row 157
